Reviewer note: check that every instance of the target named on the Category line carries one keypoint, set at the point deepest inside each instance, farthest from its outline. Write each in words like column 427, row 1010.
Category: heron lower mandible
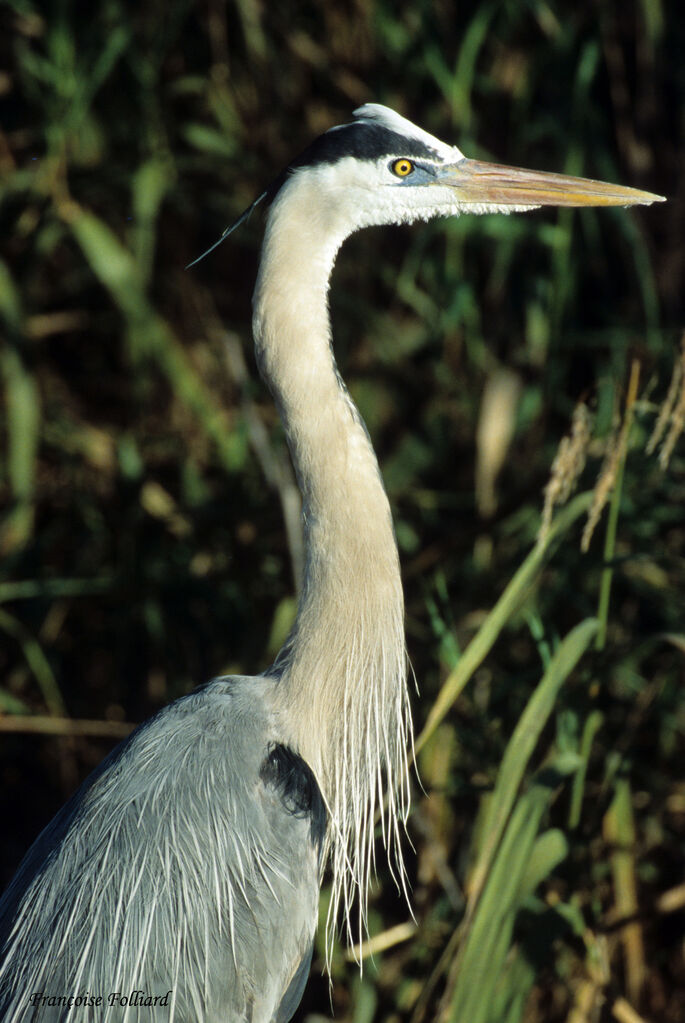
column 187, row 867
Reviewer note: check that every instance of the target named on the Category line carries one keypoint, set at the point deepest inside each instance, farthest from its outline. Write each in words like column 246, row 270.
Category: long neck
column 342, row 693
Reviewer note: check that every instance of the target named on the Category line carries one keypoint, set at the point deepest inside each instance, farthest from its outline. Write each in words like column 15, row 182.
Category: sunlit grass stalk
column 619, row 831
column 612, row 523
column 18, row 722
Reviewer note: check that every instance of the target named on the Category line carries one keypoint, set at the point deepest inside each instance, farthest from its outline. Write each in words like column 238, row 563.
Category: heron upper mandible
column 187, row 866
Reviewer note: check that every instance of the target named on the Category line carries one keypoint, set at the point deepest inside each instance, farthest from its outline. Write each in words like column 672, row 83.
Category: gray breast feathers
column 188, row 864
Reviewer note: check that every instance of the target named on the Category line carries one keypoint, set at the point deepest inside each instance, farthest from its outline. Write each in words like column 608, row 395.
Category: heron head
column 383, row 169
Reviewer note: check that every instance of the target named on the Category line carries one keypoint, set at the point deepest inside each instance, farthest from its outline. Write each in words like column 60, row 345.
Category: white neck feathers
column 342, row 695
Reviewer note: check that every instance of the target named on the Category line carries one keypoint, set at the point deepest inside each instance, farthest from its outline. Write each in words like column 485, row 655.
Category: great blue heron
column 181, row 881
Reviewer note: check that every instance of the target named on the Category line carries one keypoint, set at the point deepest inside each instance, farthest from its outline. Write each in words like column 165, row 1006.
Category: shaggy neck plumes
column 342, row 695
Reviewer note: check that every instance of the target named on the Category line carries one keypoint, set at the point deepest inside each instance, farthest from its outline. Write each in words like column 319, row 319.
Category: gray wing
column 185, row 869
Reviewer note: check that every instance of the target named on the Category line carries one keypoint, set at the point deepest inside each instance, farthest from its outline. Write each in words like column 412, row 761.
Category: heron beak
column 494, row 184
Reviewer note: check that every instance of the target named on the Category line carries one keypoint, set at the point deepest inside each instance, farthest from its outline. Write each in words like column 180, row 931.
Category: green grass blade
column 37, row 662
column 23, row 417
column 116, row 268
column 523, row 741
column 489, row 934
column 28, row 589
column 508, row 604
column 549, row 850
column 592, row 726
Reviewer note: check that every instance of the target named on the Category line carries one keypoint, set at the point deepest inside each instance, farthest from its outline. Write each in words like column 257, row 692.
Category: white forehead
column 376, row 113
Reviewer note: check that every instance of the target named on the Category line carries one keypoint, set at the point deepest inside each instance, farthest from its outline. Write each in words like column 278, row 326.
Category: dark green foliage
column 143, row 550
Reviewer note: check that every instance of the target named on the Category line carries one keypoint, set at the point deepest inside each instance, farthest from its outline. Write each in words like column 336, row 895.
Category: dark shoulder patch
column 294, row 780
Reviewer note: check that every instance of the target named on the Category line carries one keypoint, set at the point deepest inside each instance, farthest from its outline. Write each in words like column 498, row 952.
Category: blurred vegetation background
column 144, row 479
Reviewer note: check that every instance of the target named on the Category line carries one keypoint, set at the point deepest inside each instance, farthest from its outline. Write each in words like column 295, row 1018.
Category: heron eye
column 402, row 168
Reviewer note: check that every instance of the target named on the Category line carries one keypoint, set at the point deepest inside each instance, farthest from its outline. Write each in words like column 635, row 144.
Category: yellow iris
column 402, row 167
